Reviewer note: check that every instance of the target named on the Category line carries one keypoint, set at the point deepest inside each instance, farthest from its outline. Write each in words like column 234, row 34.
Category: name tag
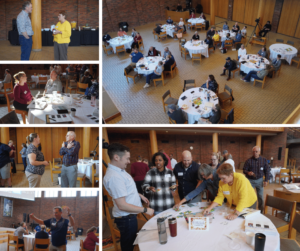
column 261, row 168
column 25, row 92
column 168, row 176
column 226, row 192
column 56, row 26
column 180, row 174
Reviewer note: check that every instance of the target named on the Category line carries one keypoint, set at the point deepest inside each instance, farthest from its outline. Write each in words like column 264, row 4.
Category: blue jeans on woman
column 251, row 74
column 26, row 46
column 151, row 76
column 128, row 229
column 24, row 163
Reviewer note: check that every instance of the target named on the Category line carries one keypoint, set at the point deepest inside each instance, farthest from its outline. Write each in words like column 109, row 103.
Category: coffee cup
column 250, row 238
column 73, row 112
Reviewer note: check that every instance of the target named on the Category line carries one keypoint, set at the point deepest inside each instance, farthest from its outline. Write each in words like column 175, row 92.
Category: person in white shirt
column 7, row 76
column 181, row 24
column 173, row 161
column 244, row 31
column 127, row 201
column 156, row 74
column 229, row 160
column 242, row 51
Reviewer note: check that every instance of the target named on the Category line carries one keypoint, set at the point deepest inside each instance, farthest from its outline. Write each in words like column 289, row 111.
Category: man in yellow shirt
column 216, row 37
column 62, row 33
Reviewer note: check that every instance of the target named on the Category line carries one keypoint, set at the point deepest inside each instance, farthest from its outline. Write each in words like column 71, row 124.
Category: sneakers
column 146, row 85
column 241, row 79
column 222, row 74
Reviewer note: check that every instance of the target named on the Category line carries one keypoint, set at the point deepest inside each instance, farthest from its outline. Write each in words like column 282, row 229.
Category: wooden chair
column 188, row 84
column 71, row 85
column 154, row 34
column 184, row 52
column 81, row 178
column 141, row 43
column 43, row 81
column 95, row 176
column 7, row 88
column 82, row 248
column 260, row 81
column 120, row 49
column 106, row 50
column 237, row 63
column 56, row 167
column 278, row 71
column 172, row 70
column 41, row 242
column 171, row 121
column 162, row 35
column 14, row 243
column 196, row 57
column 10, row 100
column 228, row 43
column 279, row 41
column 158, row 80
column 190, row 25
column 131, row 74
column 285, row 206
column 224, row 116
column 217, row 43
column 198, row 26
column 291, row 244
column 68, row 235
column 284, row 173
column 80, row 87
column 296, row 60
column 226, row 95
column 169, row 101
column 211, row 49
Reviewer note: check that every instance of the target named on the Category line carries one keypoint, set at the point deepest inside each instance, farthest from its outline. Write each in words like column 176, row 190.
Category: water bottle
column 248, row 57
column 208, row 97
column 258, row 63
column 162, row 233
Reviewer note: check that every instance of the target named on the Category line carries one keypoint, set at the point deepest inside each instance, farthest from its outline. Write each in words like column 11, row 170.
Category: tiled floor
column 252, row 105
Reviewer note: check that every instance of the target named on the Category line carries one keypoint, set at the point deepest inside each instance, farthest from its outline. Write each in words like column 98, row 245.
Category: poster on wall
column 8, row 208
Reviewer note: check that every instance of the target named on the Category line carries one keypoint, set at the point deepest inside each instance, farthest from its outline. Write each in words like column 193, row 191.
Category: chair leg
column 164, row 108
column 127, row 80
column 80, row 182
column 51, row 176
column 24, row 118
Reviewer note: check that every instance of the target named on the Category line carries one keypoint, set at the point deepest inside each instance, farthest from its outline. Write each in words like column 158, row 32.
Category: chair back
column 198, row 25
column 163, row 33
column 57, row 161
column 196, row 56
column 188, row 84
column 227, row 88
column 290, row 42
column 280, row 204
column 9, row 100
column 166, row 94
column 89, row 158
column 81, row 88
column 10, row 118
column 11, row 237
column 7, row 86
column 285, row 170
column 43, row 79
column 296, row 223
column 121, row 47
column 279, row 40
column 38, row 241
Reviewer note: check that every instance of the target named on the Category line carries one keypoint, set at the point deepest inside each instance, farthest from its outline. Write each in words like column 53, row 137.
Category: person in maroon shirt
column 202, row 16
column 192, row 15
column 91, row 239
column 12, row 157
column 22, row 94
column 137, row 38
column 138, row 172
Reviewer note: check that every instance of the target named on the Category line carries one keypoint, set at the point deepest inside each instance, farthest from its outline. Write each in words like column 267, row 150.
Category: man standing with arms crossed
column 25, row 30
column 127, row 201
column 59, row 228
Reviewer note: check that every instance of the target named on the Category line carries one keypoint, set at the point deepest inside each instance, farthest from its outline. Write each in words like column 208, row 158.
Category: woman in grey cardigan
column 24, row 155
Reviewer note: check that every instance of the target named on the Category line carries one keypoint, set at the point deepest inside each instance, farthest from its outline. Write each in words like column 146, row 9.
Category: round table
column 252, row 63
column 205, row 108
column 86, row 168
column 194, row 21
column 169, row 28
column 214, row 239
column 118, row 41
column 196, row 47
column 224, row 33
column 150, row 62
column 286, row 51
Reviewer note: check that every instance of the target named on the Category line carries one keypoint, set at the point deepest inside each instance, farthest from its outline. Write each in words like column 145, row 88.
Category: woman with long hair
column 22, row 94
column 91, row 239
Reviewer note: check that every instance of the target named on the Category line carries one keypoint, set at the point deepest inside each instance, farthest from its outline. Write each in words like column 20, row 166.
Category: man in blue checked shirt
column 25, row 30
column 69, row 150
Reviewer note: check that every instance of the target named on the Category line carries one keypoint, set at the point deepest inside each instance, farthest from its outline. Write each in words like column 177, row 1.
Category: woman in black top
column 196, row 36
column 211, row 84
column 168, row 63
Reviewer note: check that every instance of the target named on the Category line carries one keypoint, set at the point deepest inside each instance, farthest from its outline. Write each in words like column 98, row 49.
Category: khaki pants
column 33, row 179
column 60, row 248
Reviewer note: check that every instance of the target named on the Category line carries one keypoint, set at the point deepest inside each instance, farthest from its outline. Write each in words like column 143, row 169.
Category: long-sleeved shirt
column 24, row 23
column 210, row 33
column 53, row 86
column 90, row 241
column 22, row 93
column 23, row 152
column 106, row 37
column 121, row 33
column 242, row 52
column 66, row 30
column 70, row 155
column 7, row 78
column 259, row 167
column 13, row 154
column 212, row 85
column 238, row 38
column 261, row 74
column 196, row 37
column 225, row 27
column 262, row 53
column 169, row 21
column 139, row 171
column 276, row 63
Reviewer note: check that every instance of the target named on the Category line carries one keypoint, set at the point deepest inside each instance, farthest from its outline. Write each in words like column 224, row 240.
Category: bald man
column 255, row 168
column 186, row 173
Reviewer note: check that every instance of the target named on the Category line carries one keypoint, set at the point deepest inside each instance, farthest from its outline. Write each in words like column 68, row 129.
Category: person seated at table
column 236, row 27
column 211, row 84
column 216, row 37
column 156, row 74
column 182, row 25
column 7, row 76
column 106, row 38
column 152, row 52
column 196, row 36
column 20, row 231
column 192, row 15
column 136, row 40
column 158, row 29
column 53, row 84
column 133, row 32
column 37, row 228
column 121, row 33
column 229, row 65
column 202, row 16
column 216, row 115
column 224, row 40
column 22, row 94
column 262, row 52
column 209, row 42
column 244, row 31
column 167, row 52
column 242, row 51
column 276, row 63
column 86, row 79
column 265, row 29
column 179, row 7
column 257, row 74
column 169, row 20
column 211, row 32
column 168, row 63
column 135, row 57
column 236, row 188
column 176, row 114
column 225, row 26
column 91, row 239
column 93, row 90
column 238, row 37
column 160, row 192
column 42, row 234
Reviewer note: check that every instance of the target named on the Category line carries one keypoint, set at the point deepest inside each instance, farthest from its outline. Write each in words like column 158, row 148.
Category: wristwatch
column 69, row 215
column 145, row 209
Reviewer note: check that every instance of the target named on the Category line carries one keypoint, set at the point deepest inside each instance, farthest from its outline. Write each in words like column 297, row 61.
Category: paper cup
column 250, row 238
column 73, row 112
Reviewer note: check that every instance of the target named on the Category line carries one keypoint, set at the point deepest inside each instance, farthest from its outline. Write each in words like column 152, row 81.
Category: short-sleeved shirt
column 136, row 57
column 39, row 157
column 59, row 231
column 19, row 232
column 4, row 154
column 159, row 70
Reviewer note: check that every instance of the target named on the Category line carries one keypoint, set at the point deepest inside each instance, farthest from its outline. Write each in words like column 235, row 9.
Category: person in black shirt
column 209, row 42
column 196, row 36
column 211, row 32
column 179, row 7
column 236, row 27
column 158, row 29
column 42, row 235
column 175, row 113
column 215, row 118
column 265, row 29
column 168, row 63
column 229, row 65
column 106, row 38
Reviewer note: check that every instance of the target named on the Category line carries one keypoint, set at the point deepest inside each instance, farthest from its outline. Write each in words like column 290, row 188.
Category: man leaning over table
column 58, row 226
column 127, row 201
column 255, row 168
column 135, row 57
column 25, row 30
column 70, row 151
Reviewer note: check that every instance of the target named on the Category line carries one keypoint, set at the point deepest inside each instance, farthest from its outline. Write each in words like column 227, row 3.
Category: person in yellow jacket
column 236, row 188
column 62, row 33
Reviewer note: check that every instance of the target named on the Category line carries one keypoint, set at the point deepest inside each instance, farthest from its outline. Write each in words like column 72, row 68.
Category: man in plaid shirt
column 255, row 168
column 69, row 150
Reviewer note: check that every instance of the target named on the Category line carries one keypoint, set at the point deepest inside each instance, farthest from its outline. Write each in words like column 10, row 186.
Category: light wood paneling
column 206, row 6
column 289, row 17
column 269, row 10
column 297, row 34
column 46, row 142
column 251, row 9
column 58, row 137
column 93, row 139
column 175, row 16
column 238, row 11
column 222, row 8
column 22, row 133
column 79, row 138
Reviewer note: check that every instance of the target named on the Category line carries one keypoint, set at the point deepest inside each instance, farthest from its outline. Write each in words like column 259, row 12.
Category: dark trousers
column 135, row 44
column 259, row 185
column 60, row 51
column 26, row 46
column 229, row 71
column 263, row 32
column 251, row 74
column 19, row 106
column 139, row 186
column 14, row 170
column 151, row 76
column 128, row 229
column 24, row 163
column 21, row 241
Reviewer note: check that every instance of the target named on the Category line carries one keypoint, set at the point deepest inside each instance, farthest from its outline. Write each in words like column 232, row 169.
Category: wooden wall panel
column 22, row 133
column 58, row 137
column 79, row 137
column 222, row 8
column 206, row 6
column 269, row 10
column 251, row 9
column 46, row 142
column 289, row 17
column 238, row 11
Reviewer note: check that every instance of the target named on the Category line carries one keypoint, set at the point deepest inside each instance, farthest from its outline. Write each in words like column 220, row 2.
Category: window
column 68, row 193
column 51, row 194
column 38, row 194
column 88, row 193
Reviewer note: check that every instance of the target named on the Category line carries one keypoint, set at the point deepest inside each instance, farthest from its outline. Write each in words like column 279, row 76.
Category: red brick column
column 276, row 15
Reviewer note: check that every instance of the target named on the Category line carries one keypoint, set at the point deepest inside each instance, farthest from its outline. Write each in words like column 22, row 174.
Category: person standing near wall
column 12, row 157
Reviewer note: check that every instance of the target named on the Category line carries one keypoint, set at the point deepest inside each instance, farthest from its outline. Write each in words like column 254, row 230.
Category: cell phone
column 94, row 118
column 197, row 107
column 59, row 116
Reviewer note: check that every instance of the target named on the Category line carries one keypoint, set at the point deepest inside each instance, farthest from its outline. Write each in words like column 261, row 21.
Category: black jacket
column 168, row 64
column 106, row 38
column 177, row 116
column 196, row 37
column 158, row 29
column 210, row 33
column 215, row 118
column 230, row 65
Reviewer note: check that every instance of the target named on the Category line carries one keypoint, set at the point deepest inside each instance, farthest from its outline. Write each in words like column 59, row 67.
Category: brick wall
column 276, row 15
column 85, row 210
column 81, row 11
column 230, row 9
column 294, row 153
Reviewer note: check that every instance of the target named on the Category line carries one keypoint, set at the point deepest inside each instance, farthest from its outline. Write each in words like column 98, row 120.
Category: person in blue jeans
column 257, row 74
column 24, row 155
column 238, row 37
column 25, row 30
column 156, row 74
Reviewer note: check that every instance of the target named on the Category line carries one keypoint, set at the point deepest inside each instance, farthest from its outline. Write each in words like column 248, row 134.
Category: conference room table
column 85, row 167
column 214, row 239
column 150, row 63
column 286, row 51
column 118, row 41
column 197, row 47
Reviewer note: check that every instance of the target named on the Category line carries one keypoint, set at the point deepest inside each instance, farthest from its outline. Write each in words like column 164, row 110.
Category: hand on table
column 231, row 217
column 177, row 206
column 206, row 211
column 144, row 199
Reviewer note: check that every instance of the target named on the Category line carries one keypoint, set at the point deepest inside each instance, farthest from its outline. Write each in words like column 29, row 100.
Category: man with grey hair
column 255, row 168
column 58, row 226
column 70, row 151
column 228, row 159
column 25, row 30
column 20, row 231
column 53, row 84
column 210, row 182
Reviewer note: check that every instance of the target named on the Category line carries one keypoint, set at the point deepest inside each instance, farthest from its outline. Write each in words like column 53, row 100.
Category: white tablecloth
column 150, row 62
column 36, row 78
column 195, row 47
column 223, row 34
column 169, row 28
column 118, row 41
column 213, row 240
column 276, row 170
column 276, row 49
column 192, row 113
column 83, row 109
column 87, row 169
column 249, row 66
column 196, row 21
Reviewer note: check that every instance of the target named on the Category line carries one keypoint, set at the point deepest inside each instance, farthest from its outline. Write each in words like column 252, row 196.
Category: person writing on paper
column 22, row 94
column 53, row 84
column 62, row 33
column 236, row 188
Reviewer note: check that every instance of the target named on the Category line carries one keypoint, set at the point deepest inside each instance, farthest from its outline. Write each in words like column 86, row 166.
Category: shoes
column 220, row 48
column 228, row 78
column 242, row 79
column 146, row 85
column 247, row 81
column 222, row 74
